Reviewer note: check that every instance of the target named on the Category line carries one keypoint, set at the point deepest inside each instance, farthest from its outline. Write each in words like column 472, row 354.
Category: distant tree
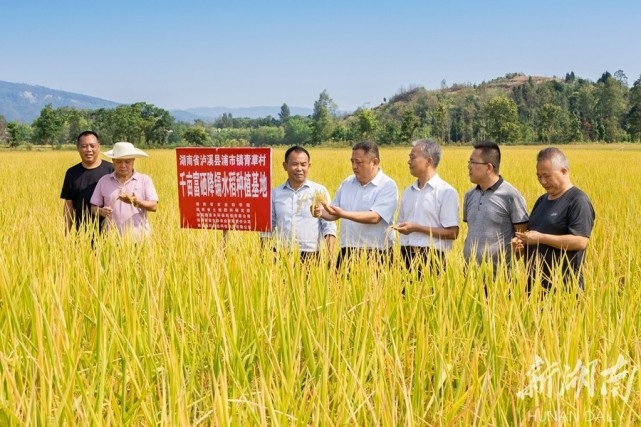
column 610, row 109
column 267, row 136
column 570, row 77
column 346, row 131
column 620, row 76
column 464, row 118
column 75, row 123
column 284, row 114
column 177, row 132
column 242, row 123
column 298, row 131
column 127, row 125
column 139, row 123
column 604, row 77
column 456, row 126
column 100, row 121
column 154, row 122
column 409, row 123
column 268, row 121
column 48, row 127
column 633, row 118
column 441, row 125
column 196, row 135
column 367, row 124
column 390, row 134
column 502, row 120
column 225, row 121
column 582, row 104
column 18, row 133
column 550, row 124
column 323, row 120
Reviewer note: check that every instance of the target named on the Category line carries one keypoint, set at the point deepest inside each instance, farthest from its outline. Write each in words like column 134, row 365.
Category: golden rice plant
column 191, row 328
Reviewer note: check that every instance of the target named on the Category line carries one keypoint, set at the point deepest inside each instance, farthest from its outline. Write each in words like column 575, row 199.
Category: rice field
column 189, row 329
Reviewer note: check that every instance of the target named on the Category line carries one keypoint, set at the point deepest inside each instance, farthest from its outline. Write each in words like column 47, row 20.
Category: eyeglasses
column 471, row 162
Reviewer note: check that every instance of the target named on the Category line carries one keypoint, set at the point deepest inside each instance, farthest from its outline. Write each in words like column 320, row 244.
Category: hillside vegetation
column 511, row 109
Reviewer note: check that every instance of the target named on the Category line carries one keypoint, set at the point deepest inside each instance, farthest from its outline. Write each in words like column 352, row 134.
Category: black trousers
column 417, row 257
column 382, row 256
column 309, row 257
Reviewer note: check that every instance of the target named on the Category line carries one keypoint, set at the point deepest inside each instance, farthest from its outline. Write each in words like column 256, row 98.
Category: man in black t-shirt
column 560, row 224
column 80, row 181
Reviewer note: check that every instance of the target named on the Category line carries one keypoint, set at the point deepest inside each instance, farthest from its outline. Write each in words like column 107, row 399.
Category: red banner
column 225, row 188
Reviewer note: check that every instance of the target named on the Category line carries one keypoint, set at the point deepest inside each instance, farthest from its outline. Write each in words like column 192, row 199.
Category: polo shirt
column 434, row 205
column 491, row 215
column 125, row 217
column 380, row 195
column 292, row 220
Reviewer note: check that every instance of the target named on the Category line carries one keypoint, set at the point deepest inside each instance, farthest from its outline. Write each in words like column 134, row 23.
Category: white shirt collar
column 432, row 182
column 376, row 181
column 305, row 184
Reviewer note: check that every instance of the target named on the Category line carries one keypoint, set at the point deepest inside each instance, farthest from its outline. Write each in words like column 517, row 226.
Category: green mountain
column 23, row 102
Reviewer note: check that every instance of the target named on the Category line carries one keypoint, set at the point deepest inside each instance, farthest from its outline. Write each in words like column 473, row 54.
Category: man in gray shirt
column 493, row 209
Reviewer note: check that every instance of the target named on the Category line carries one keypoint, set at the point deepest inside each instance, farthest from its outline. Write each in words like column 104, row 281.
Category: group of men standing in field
column 555, row 234
column 118, row 197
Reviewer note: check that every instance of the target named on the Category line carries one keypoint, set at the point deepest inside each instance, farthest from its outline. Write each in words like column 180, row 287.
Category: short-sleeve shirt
column 491, row 216
column 571, row 213
column 125, row 217
column 434, row 205
column 379, row 195
column 292, row 219
column 78, row 187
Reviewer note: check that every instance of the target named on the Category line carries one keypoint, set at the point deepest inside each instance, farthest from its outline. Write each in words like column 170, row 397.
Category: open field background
column 185, row 330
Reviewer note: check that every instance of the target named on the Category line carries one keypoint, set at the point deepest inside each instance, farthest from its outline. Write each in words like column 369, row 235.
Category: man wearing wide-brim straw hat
column 124, row 196
column 125, row 150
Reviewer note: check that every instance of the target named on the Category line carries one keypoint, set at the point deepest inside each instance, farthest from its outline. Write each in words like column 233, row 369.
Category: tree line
column 511, row 109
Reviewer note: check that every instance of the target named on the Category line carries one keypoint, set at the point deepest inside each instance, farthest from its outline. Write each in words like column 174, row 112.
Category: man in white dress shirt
column 366, row 203
column 428, row 219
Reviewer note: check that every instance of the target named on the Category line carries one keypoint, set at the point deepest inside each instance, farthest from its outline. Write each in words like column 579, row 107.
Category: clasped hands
column 525, row 238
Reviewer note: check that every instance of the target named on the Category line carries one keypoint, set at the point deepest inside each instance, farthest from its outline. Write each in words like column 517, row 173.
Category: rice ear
column 319, row 197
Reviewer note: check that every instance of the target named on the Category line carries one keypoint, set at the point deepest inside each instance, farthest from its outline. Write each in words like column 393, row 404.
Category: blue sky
column 252, row 53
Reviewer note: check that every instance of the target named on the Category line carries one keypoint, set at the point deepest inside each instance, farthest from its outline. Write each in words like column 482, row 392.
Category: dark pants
column 547, row 283
column 382, row 256
column 309, row 257
column 418, row 257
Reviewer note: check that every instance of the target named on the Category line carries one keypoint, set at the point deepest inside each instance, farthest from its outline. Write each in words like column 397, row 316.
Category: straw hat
column 125, row 150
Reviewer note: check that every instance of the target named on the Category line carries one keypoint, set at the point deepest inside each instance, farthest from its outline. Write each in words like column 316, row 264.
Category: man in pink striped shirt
column 124, row 196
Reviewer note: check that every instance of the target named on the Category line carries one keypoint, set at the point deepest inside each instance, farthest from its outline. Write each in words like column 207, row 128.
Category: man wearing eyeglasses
column 493, row 209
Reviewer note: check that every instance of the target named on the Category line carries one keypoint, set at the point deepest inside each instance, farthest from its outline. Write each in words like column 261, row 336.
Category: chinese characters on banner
column 224, row 188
